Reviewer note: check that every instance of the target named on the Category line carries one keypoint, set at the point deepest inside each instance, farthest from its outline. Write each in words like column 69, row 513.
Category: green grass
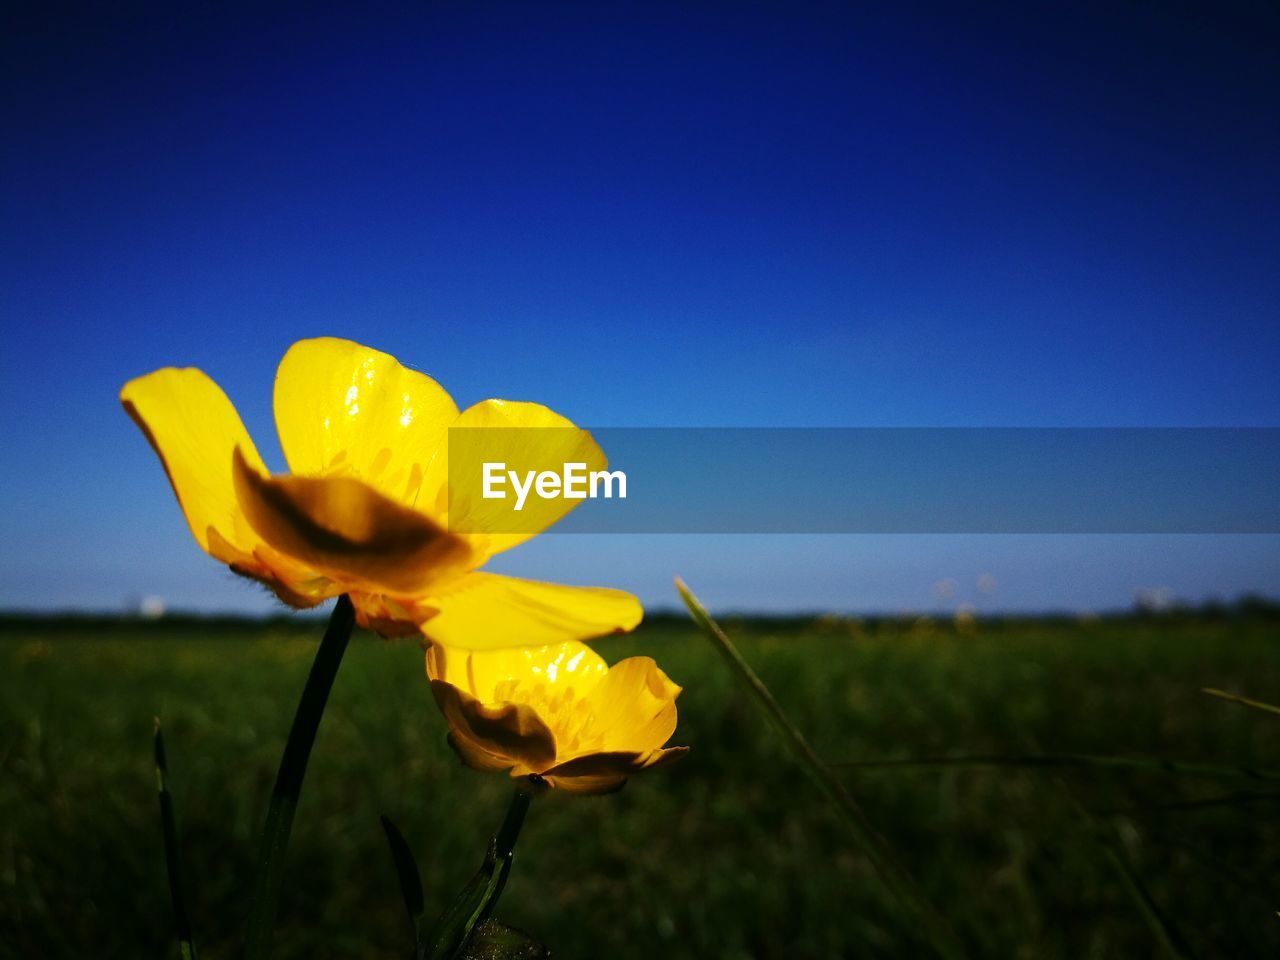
column 732, row 853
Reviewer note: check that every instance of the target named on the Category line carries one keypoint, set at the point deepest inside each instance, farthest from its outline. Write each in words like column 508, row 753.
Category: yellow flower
column 364, row 511
column 558, row 712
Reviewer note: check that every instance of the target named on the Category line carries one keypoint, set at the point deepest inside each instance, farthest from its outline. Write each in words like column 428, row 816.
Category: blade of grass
column 293, row 767
column 1236, row 698
column 1161, row 924
column 1165, row 932
column 1225, row 800
column 409, row 876
column 869, row 842
column 1209, row 771
column 172, row 853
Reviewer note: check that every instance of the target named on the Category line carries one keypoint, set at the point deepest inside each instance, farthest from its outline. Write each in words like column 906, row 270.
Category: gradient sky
column 643, row 216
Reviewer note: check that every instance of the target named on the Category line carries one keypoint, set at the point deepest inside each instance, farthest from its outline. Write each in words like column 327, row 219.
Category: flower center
column 569, row 716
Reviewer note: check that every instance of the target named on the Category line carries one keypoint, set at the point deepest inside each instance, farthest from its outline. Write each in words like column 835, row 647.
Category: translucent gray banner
column 854, row 480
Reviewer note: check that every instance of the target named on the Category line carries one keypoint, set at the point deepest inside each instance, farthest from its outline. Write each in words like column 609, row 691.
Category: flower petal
column 195, row 431
column 342, row 408
column 494, row 736
column 525, row 437
column 386, row 616
column 481, row 672
column 475, row 756
column 481, row 611
column 597, row 773
column 347, row 531
column 634, row 706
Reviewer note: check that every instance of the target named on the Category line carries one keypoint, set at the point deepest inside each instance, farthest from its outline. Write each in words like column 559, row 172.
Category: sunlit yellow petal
column 523, row 436
column 485, row 674
column 489, row 733
column 606, row 724
column 347, row 531
column 342, row 408
column 488, row 611
column 195, row 430
column 634, row 706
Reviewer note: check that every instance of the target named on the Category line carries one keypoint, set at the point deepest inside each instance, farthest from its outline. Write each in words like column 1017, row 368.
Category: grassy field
column 732, row 853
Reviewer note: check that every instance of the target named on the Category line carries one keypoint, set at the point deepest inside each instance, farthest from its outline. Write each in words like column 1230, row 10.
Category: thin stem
column 1225, row 800
column 1178, row 768
column 293, row 767
column 1161, row 924
column 505, row 843
column 872, row 845
column 1236, row 698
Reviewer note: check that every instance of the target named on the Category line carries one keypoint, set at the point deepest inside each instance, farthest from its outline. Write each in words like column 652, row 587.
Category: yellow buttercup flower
column 364, row 510
column 556, row 712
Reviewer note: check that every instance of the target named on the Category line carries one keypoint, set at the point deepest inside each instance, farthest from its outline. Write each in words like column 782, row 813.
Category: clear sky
column 643, row 215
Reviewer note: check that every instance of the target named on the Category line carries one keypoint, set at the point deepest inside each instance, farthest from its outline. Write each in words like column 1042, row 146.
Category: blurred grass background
column 732, row 853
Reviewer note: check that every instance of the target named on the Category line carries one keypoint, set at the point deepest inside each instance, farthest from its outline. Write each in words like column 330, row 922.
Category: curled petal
column 489, row 611
column 346, row 409
column 634, row 706
column 494, row 736
column 347, row 531
column 524, row 437
column 195, row 430
column 606, row 772
column 476, row 756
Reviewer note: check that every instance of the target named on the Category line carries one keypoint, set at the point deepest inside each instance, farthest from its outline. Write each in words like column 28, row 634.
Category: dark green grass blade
column 1236, row 698
column 410, row 878
column 1240, row 798
column 172, row 853
column 1165, row 932
column 870, row 843
column 293, row 767
column 1176, row 768
column 1162, row 927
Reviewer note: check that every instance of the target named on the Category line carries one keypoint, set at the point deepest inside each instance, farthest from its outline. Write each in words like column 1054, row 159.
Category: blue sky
column 644, row 216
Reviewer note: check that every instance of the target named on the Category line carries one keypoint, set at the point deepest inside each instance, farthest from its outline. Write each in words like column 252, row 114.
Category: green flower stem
column 505, row 843
column 293, row 767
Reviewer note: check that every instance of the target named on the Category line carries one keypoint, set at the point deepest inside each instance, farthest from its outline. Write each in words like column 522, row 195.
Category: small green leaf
column 407, row 871
column 450, row 934
column 492, row 940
